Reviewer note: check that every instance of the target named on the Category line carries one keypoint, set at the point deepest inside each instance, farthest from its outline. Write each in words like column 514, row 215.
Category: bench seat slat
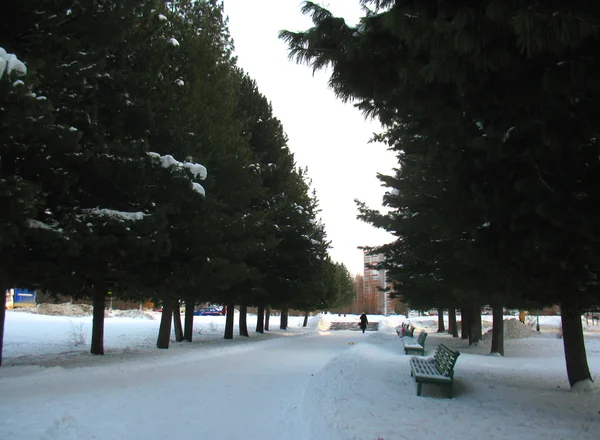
column 438, row 369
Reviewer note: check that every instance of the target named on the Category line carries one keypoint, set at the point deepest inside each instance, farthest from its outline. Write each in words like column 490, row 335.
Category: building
column 374, row 281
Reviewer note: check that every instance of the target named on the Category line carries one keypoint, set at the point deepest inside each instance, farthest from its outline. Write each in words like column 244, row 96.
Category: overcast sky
column 325, row 135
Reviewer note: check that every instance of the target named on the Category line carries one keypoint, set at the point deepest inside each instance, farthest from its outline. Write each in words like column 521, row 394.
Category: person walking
column 363, row 322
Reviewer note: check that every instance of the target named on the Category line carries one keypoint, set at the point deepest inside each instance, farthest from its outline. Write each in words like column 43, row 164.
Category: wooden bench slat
column 438, row 369
column 415, row 345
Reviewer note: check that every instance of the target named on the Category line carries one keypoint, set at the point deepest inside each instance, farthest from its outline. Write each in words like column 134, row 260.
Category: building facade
column 374, row 281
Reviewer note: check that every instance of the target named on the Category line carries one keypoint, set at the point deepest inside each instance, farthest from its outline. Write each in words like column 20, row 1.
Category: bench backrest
column 421, row 338
column 445, row 359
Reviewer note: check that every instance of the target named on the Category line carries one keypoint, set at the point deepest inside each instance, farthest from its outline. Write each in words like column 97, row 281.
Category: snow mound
column 389, row 324
column 584, row 386
column 132, row 313
column 513, row 329
column 320, row 322
column 65, row 309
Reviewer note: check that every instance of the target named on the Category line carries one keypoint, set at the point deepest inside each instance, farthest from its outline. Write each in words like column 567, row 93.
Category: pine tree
column 426, row 65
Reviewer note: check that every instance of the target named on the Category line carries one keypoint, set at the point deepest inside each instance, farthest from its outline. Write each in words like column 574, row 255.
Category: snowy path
column 232, row 396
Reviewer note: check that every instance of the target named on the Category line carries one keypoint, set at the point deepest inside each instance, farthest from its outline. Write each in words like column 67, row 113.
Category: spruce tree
column 428, row 64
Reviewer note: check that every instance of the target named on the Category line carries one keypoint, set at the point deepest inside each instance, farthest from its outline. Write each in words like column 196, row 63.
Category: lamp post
column 537, row 326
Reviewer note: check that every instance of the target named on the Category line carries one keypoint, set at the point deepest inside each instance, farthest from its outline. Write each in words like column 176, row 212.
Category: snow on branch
column 10, row 63
column 167, row 161
column 132, row 216
column 198, row 188
column 197, row 170
column 36, row 224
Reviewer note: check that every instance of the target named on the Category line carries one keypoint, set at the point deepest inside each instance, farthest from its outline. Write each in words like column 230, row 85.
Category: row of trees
column 492, row 108
column 101, row 139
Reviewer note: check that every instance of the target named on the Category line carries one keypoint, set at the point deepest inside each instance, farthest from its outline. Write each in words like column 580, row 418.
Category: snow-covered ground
column 296, row 384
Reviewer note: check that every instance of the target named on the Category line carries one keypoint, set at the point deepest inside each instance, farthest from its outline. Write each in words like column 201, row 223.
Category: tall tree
column 425, row 66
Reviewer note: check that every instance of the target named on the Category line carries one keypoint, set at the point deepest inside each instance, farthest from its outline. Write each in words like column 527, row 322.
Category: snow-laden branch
column 36, row 224
column 10, row 63
column 197, row 170
column 167, row 161
column 122, row 215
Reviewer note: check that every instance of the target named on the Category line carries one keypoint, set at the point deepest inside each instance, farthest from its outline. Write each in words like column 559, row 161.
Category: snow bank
column 133, row 313
column 388, row 324
column 513, row 329
column 320, row 322
column 66, row 309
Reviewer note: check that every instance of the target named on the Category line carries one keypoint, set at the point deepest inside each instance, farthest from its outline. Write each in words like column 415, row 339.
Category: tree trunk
column 229, row 322
column 465, row 322
column 441, row 326
column 475, row 325
column 99, row 302
column 177, row 321
column 497, row 329
column 260, row 319
column 452, row 324
column 243, row 326
column 267, row 318
column 2, row 320
column 188, row 326
column 575, row 355
column 284, row 319
column 164, row 331
column 305, row 319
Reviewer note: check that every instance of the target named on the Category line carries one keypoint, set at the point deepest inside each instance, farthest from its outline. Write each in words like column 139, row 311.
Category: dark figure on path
column 363, row 322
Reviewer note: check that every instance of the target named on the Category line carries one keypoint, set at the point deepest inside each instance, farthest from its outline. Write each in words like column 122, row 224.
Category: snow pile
column 513, row 329
column 390, row 323
column 314, row 321
column 132, row 313
column 321, row 322
column 66, row 309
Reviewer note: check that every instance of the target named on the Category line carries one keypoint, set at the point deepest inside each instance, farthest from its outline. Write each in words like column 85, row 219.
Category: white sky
column 327, row 136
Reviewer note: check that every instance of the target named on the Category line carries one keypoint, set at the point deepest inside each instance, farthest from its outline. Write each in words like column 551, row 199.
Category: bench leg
column 450, row 387
column 419, row 385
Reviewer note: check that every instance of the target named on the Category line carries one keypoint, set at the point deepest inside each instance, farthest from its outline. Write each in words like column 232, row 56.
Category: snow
column 296, row 384
column 116, row 214
column 162, row 17
column 36, row 224
column 173, row 42
column 198, row 188
column 167, row 161
column 10, row 63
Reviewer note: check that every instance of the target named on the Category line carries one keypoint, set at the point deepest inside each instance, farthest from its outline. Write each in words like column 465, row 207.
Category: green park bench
column 415, row 346
column 438, row 369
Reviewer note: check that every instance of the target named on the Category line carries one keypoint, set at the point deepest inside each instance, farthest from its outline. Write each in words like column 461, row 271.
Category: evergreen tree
column 424, row 64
